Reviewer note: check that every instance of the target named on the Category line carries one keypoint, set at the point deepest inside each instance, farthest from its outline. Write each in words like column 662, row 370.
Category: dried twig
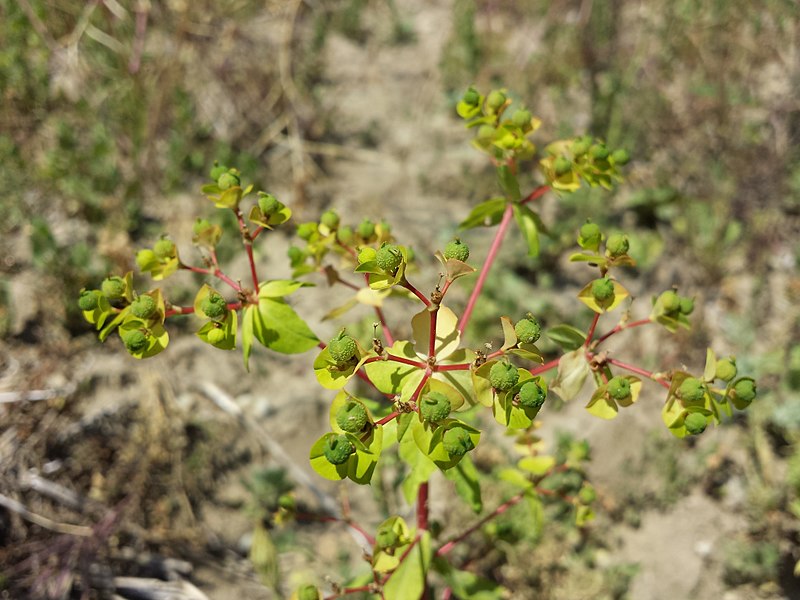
column 22, row 511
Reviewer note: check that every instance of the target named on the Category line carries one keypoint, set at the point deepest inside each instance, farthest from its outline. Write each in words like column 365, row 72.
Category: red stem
column 406, row 284
column 387, row 333
column 458, row 367
column 621, row 327
column 188, row 310
column 545, row 367
column 347, row 591
column 638, row 371
column 387, row 418
column 216, row 273
column 432, row 333
column 592, row 327
column 422, row 507
column 248, row 246
column 256, row 232
column 400, row 359
column 537, row 193
column 493, row 250
column 447, row 547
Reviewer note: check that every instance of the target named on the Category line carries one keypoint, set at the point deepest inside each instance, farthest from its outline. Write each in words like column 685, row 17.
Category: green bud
column 580, row 147
column 603, row 291
column 522, row 119
column 287, row 502
column 471, row 97
column 268, row 204
column 351, row 416
column 338, row 449
column 457, row 441
column 366, row 229
column 485, row 132
column 745, row 390
column 617, row 244
column 691, row 390
column 215, row 335
column 599, row 152
column 113, row 288
column 330, row 219
column 385, row 227
column 144, row 307
column 620, row 157
column 307, row 592
column 214, row 306
column 342, row 349
column 135, row 341
column 456, row 249
column 531, row 395
column 686, row 306
column 495, row 100
column 164, row 249
column 589, row 235
column 562, row 165
column 619, row 388
column 144, row 258
column 345, row 235
column 228, row 180
column 434, row 406
column 217, row 170
column 200, row 225
column 726, row 369
column 670, row 301
column 87, row 300
column 296, row 255
column 503, row 376
column 587, row 494
column 386, row 537
column 306, row 230
column 528, row 329
column 695, row 423
column 388, row 257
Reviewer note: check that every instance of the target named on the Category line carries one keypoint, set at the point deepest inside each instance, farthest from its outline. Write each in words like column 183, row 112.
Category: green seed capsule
column 351, row 417
column 135, row 341
column 528, row 330
column 144, row 307
column 522, row 119
column 580, row 147
column 386, row 537
column 471, row 97
column 227, row 180
column 725, row 369
column 338, row 449
column 296, row 255
column 503, row 376
column 307, row 592
column 113, row 288
column 495, row 100
column 164, row 249
column 590, row 235
column 485, row 132
column 345, row 235
column 691, row 390
column 330, row 219
column 268, row 204
column 215, row 335
column 214, row 306
column 745, row 390
column 87, row 300
column 200, row 225
column 216, row 171
column 456, row 249
column 603, row 291
column 366, row 229
column 388, row 257
column 617, row 245
column 599, row 152
column 562, row 166
column 620, row 157
column 342, row 349
column 695, row 423
column 619, row 388
column 670, row 301
column 531, row 395
column 434, row 406
column 306, row 230
column 686, row 306
column 457, row 441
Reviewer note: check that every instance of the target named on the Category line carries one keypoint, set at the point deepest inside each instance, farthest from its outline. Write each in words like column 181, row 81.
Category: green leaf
column 486, row 214
column 447, row 335
column 509, row 183
column 264, row 556
column 228, row 326
column 467, row 585
column 526, row 219
column 710, row 370
column 249, row 314
column 407, row 582
column 420, row 466
column 572, row 372
column 389, row 376
column 465, row 477
column 277, row 288
column 282, row 329
column 537, row 465
column 602, row 405
column 333, row 377
column 567, row 336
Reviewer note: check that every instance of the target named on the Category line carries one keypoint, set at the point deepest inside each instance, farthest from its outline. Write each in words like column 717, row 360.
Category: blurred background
column 113, row 111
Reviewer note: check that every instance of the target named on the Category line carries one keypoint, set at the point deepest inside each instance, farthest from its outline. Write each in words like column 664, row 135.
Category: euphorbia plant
column 428, row 391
